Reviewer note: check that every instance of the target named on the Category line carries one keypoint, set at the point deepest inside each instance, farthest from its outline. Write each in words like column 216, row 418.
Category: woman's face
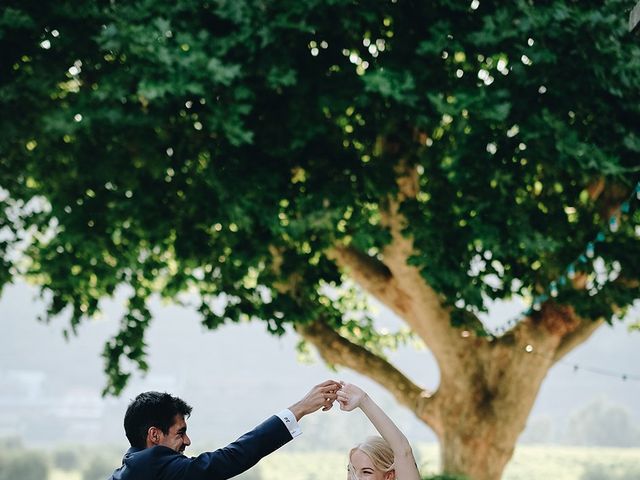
column 364, row 470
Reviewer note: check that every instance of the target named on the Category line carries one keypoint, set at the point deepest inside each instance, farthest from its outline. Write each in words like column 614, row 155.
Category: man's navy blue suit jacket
column 163, row 463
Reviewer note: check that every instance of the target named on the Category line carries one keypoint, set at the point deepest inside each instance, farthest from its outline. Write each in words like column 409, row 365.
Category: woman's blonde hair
column 378, row 450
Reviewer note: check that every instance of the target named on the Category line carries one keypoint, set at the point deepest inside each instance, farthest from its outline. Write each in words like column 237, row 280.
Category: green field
column 574, row 463
column 528, row 463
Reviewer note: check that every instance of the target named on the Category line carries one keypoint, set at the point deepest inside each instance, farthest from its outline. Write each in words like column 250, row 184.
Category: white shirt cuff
column 290, row 422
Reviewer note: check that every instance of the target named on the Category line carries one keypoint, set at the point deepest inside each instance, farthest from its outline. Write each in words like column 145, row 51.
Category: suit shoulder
column 156, row 462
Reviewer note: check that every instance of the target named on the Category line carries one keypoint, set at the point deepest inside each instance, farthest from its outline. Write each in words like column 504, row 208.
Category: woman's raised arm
column 351, row 397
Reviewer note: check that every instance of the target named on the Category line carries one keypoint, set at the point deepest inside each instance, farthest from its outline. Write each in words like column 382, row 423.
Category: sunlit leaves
column 221, row 149
column 392, row 85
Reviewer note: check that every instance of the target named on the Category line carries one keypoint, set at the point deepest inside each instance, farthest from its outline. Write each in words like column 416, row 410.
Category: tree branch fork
column 467, row 362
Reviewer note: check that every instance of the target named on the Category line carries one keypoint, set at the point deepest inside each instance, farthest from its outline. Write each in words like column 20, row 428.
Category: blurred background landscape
column 584, row 425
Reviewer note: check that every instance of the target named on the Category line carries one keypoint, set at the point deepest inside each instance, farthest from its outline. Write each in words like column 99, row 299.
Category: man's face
column 176, row 439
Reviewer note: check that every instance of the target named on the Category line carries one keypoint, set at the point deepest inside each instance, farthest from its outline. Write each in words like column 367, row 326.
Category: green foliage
column 571, row 463
column 23, row 464
column 610, row 472
column 530, row 462
column 66, row 459
column 603, row 425
column 222, row 147
column 98, row 468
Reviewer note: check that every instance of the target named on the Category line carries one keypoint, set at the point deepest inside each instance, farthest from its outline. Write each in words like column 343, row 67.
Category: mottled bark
column 337, row 350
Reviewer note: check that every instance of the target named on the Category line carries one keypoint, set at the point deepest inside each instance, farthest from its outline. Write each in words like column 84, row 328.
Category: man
column 155, row 424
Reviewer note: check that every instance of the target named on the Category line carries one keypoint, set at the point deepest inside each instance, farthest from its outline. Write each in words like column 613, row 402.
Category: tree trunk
column 475, row 454
column 487, row 386
column 484, row 404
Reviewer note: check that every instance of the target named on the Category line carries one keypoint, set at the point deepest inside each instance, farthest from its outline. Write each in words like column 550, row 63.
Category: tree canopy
column 240, row 149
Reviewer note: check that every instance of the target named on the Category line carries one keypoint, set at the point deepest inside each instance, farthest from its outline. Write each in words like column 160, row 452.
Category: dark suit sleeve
column 236, row 457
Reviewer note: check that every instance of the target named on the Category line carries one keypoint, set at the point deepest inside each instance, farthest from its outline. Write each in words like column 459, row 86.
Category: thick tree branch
column 337, row 350
column 374, row 276
column 399, row 285
column 609, row 196
column 556, row 329
column 369, row 272
column 427, row 316
column 570, row 341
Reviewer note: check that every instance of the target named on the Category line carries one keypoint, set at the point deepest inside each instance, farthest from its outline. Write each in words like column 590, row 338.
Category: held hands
column 324, row 394
column 321, row 396
column 350, row 396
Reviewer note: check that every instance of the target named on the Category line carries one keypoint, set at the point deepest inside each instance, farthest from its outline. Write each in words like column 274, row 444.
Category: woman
column 386, row 458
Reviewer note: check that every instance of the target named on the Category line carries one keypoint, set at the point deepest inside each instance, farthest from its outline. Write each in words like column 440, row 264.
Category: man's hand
column 320, row 396
column 350, row 397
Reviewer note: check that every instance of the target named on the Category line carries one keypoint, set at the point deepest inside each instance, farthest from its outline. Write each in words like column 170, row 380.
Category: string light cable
column 570, row 272
column 552, row 291
column 530, row 350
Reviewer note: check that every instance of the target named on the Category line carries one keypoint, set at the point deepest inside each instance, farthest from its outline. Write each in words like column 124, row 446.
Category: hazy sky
column 238, row 375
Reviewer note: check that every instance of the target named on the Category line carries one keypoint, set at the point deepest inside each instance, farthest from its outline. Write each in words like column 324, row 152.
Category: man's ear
column 154, row 436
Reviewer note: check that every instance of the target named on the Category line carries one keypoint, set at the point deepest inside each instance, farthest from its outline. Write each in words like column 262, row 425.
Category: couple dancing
column 155, row 424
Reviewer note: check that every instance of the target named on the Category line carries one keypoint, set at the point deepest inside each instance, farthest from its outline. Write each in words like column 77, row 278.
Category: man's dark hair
column 152, row 409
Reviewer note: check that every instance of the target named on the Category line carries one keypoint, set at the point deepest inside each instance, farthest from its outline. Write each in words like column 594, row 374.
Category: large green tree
column 280, row 158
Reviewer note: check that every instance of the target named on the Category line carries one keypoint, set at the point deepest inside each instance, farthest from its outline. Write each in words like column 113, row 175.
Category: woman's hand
column 350, row 396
